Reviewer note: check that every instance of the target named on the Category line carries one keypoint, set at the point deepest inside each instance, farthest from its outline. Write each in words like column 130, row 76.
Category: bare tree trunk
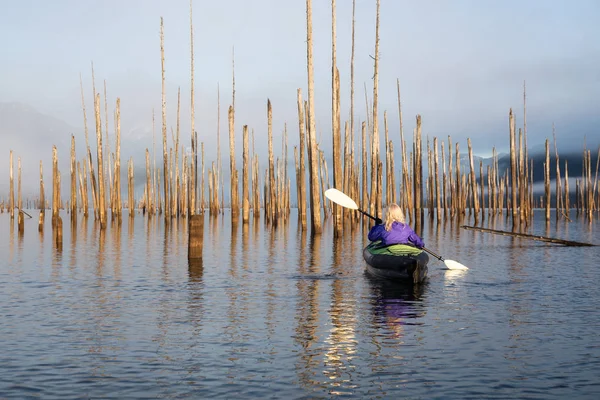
column 418, row 177
column 202, row 180
column 175, row 191
column 232, row 168
column 164, row 121
column 365, row 196
column 444, row 182
column 11, row 199
column 21, row 219
column 436, row 177
column 148, row 197
column 131, row 186
column 42, row 204
column 567, row 200
column 387, row 159
column 547, row 180
column 219, row 178
column 405, row 186
column 482, row 185
column 117, row 187
column 451, row 185
column 301, row 166
column 459, row 187
column 352, row 91
column 245, row 189
column 375, row 205
column 335, row 126
column 55, row 185
column 315, row 203
column 270, row 184
column 194, row 158
column 73, row 181
column 513, row 167
column 558, row 181
column 101, row 190
column 473, row 182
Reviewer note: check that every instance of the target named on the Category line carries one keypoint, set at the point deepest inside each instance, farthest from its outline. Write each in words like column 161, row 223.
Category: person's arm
column 375, row 233
column 416, row 240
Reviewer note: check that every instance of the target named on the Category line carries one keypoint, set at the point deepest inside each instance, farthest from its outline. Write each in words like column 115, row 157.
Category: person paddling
column 395, row 230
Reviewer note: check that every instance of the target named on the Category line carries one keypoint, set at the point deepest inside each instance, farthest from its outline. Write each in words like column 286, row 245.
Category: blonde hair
column 393, row 214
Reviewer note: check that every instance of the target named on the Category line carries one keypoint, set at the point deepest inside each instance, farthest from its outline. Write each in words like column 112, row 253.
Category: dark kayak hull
column 403, row 268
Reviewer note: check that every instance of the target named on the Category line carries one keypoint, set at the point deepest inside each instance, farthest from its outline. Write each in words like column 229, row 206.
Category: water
column 275, row 314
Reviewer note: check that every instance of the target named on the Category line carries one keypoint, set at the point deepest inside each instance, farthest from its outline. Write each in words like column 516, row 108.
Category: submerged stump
column 196, row 236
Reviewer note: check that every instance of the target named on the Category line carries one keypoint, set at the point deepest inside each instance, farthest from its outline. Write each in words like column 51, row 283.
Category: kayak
column 397, row 262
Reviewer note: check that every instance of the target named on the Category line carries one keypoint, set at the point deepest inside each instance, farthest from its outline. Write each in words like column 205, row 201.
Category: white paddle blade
column 340, row 198
column 451, row 264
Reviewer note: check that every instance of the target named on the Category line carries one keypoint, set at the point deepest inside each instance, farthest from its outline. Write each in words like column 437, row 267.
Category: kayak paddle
column 344, row 200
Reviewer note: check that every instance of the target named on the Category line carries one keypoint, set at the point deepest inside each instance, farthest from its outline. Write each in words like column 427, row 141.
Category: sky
column 461, row 65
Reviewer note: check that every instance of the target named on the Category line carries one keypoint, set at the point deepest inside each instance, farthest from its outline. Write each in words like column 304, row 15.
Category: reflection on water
column 272, row 311
column 396, row 305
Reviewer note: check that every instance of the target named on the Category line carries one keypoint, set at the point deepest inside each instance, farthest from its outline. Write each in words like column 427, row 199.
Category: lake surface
column 273, row 313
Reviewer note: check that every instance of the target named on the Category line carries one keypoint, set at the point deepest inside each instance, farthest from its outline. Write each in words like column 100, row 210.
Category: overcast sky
column 461, row 64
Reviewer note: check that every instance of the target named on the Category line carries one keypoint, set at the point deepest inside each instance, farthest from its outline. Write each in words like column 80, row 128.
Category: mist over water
column 272, row 312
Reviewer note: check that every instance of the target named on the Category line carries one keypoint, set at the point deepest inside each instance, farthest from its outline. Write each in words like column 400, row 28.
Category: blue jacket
column 399, row 234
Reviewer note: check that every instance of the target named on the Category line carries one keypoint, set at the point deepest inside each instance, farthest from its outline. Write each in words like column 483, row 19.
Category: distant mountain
column 573, row 160
column 24, row 129
column 31, row 135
